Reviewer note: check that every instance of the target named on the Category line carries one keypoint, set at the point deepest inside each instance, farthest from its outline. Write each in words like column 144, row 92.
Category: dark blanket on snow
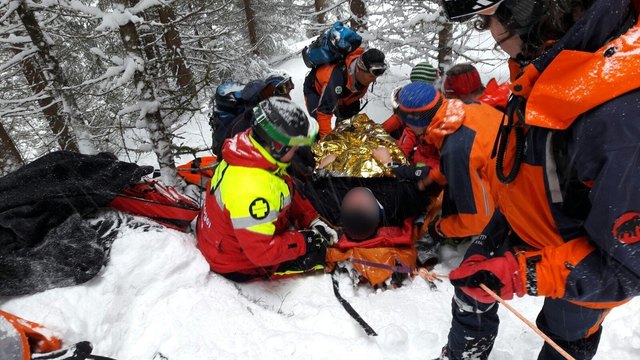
column 45, row 242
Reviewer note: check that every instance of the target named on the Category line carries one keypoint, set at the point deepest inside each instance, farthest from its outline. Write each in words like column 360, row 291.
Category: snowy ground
column 157, row 295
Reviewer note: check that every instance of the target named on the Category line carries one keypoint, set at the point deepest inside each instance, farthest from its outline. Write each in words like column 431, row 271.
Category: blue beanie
column 418, row 102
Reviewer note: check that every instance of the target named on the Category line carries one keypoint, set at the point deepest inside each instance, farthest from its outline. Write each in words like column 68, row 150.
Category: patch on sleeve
column 259, row 208
column 626, row 228
column 338, row 90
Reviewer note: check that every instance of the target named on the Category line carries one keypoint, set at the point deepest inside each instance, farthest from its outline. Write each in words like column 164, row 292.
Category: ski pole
column 529, row 323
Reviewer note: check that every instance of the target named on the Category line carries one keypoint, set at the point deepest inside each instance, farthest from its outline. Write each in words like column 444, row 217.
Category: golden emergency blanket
column 348, row 149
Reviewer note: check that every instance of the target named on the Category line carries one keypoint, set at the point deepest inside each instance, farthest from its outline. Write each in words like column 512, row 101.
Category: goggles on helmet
column 463, row 10
column 377, row 70
column 284, row 87
column 374, row 69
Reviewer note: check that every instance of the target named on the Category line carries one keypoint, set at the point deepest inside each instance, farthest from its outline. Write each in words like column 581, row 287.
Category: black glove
column 314, row 258
column 315, row 239
column 410, row 172
column 434, row 233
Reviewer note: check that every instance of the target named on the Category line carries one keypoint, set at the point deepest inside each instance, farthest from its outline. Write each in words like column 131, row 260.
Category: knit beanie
column 423, row 72
column 418, row 103
column 461, row 80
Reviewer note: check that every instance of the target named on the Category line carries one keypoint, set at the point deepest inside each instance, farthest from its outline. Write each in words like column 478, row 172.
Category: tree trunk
column 251, row 25
column 158, row 134
column 359, row 10
column 445, row 52
column 319, row 7
column 48, row 104
column 59, row 119
column 184, row 77
column 11, row 158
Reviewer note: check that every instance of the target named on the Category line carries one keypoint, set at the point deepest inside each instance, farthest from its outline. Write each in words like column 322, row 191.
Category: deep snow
column 157, row 295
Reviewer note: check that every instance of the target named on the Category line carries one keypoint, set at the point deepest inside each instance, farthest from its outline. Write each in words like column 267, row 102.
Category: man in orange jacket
column 463, row 135
column 336, row 89
column 567, row 165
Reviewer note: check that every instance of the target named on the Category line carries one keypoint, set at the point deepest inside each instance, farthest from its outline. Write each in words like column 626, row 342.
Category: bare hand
column 382, row 154
column 327, row 160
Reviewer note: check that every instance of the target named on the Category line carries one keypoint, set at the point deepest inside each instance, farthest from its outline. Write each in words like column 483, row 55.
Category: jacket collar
column 244, row 150
column 570, row 78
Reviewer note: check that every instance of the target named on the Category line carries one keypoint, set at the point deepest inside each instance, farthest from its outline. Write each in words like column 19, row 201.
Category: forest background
column 126, row 76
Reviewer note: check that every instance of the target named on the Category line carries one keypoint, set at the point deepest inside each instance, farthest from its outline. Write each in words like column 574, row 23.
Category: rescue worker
column 463, row 136
column 336, row 89
column 276, row 84
column 248, row 225
column 421, row 72
column 463, row 82
column 568, row 169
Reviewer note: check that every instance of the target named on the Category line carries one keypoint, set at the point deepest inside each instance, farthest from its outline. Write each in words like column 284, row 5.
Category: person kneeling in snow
column 248, row 223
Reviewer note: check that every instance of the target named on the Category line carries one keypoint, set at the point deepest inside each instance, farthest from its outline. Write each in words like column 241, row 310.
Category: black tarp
column 45, row 239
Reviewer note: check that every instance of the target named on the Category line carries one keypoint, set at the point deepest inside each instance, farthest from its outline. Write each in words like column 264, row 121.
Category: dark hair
column 460, row 69
column 550, row 20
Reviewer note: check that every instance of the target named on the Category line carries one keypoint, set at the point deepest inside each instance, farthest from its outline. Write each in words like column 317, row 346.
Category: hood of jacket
column 592, row 63
column 446, row 121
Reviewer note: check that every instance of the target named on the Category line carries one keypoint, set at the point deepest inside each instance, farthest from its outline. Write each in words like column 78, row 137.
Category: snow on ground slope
column 157, row 295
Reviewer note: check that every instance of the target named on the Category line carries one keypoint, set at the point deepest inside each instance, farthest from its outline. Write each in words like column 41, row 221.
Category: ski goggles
column 374, row 69
column 377, row 70
column 284, row 87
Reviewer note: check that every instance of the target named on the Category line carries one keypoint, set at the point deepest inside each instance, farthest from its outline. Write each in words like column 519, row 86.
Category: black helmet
column 281, row 82
column 278, row 124
column 462, row 10
column 518, row 16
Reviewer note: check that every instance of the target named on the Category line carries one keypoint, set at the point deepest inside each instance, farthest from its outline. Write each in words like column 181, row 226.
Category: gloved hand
column 500, row 274
column 410, row 172
column 325, row 230
column 314, row 239
column 314, row 257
